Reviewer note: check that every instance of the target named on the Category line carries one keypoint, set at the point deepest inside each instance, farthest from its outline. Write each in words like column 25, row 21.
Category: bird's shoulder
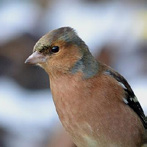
column 130, row 99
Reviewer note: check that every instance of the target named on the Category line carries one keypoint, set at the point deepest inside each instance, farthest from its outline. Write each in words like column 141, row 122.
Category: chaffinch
column 95, row 104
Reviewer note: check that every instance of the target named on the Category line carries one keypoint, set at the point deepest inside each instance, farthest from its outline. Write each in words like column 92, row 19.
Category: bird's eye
column 54, row 49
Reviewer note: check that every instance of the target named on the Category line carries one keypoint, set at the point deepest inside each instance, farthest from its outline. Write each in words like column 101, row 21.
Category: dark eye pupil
column 55, row 49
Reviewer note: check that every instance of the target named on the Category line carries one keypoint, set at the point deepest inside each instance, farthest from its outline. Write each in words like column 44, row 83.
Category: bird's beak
column 36, row 58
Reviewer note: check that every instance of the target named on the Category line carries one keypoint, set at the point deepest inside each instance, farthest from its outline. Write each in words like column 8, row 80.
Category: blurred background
column 116, row 33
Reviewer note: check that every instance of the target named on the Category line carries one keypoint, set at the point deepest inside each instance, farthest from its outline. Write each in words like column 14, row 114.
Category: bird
column 95, row 104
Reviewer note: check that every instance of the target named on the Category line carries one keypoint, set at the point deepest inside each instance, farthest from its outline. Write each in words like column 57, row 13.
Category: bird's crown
column 65, row 34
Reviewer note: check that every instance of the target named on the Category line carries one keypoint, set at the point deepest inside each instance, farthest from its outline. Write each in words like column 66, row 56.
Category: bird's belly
column 90, row 126
column 81, row 135
column 84, row 136
column 86, row 133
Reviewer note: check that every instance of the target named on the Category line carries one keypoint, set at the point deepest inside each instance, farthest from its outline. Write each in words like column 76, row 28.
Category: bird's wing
column 130, row 98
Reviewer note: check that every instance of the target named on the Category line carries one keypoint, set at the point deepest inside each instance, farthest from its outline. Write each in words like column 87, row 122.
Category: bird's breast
column 80, row 105
column 72, row 107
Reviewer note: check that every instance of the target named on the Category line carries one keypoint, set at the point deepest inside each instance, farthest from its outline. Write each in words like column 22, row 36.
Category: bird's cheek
column 36, row 58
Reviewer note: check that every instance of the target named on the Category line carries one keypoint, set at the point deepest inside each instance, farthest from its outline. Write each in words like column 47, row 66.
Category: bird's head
column 61, row 50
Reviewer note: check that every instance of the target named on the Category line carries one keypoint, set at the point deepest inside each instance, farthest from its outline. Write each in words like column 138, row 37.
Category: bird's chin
column 36, row 58
column 40, row 65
